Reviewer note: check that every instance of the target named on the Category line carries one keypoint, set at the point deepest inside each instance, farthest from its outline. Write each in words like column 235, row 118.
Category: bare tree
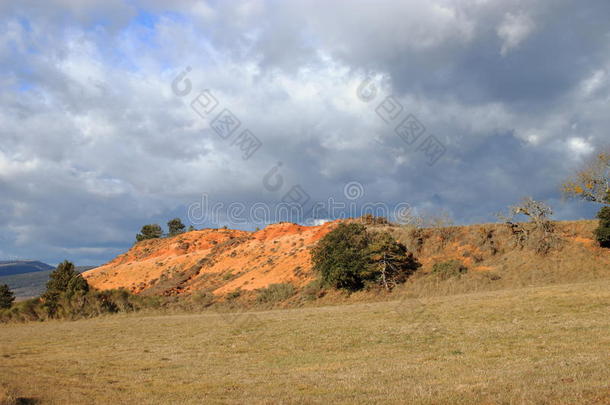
column 439, row 223
column 539, row 214
column 591, row 182
column 410, row 218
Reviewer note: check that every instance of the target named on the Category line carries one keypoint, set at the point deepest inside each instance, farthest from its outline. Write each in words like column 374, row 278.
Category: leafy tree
column 602, row 232
column 341, row 259
column 191, row 228
column 176, row 227
column 151, row 231
column 6, row 296
column 349, row 257
column 591, row 182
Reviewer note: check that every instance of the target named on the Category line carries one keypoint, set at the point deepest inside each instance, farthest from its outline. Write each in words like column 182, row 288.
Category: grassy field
column 537, row 345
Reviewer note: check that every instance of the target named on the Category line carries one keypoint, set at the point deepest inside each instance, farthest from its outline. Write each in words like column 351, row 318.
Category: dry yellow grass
column 537, row 345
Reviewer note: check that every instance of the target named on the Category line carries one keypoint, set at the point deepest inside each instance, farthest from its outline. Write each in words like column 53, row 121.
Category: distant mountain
column 27, row 285
column 32, row 284
column 12, row 267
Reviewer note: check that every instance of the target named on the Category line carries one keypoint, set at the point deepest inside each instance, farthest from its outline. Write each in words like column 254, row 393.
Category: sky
column 115, row 114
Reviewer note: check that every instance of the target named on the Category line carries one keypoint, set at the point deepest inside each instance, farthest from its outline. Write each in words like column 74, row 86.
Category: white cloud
column 595, row 82
column 514, row 29
column 579, row 146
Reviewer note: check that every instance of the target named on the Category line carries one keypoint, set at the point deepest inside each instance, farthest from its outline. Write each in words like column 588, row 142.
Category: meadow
column 529, row 345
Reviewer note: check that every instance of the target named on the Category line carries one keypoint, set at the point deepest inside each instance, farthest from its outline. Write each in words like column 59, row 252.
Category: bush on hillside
column 203, row 299
column 233, row 295
column 313, row 290
column 370, row 219
column 6, row 296
column 275, row 293
column 602, row 233
column 86, row 305
column 449, row 269
column 150, row 231
column 350, row 257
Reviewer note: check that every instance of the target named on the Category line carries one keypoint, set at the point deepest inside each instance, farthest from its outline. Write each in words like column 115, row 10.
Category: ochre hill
column 223, row 260
column 219, row 260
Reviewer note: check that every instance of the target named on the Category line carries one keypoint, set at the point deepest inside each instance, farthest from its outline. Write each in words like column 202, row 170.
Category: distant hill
column 28, row 285
column 12, row 267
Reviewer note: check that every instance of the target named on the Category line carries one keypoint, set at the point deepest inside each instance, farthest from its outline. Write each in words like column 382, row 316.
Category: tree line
column 154, row 231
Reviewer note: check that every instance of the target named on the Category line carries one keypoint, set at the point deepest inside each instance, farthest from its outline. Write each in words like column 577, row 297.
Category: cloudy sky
column 114, row 114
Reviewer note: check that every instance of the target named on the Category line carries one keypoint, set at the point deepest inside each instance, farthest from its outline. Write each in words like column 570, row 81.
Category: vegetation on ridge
column 351, row 257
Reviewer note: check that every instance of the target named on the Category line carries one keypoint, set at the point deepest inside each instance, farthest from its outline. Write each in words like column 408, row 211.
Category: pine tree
column 176, row 227
column 63, row 281
column 6, row 296
column 150, row 231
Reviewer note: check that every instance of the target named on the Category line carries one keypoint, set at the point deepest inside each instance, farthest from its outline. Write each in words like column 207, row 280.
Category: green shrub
column 602, row 233
column 451, row 268
column 28, row 310
column 80, row 304
column 275, row 293
column 349, row 257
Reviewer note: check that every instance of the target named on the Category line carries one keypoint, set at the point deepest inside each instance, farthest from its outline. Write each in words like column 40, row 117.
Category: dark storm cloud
column 94, row 143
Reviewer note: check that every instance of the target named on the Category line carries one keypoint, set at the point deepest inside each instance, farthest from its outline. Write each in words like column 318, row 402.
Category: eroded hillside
column 223, row 260
column 218, row 260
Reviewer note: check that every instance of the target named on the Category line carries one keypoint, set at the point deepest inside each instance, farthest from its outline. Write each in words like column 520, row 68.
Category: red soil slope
column 222, row 260
column 218, row 260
